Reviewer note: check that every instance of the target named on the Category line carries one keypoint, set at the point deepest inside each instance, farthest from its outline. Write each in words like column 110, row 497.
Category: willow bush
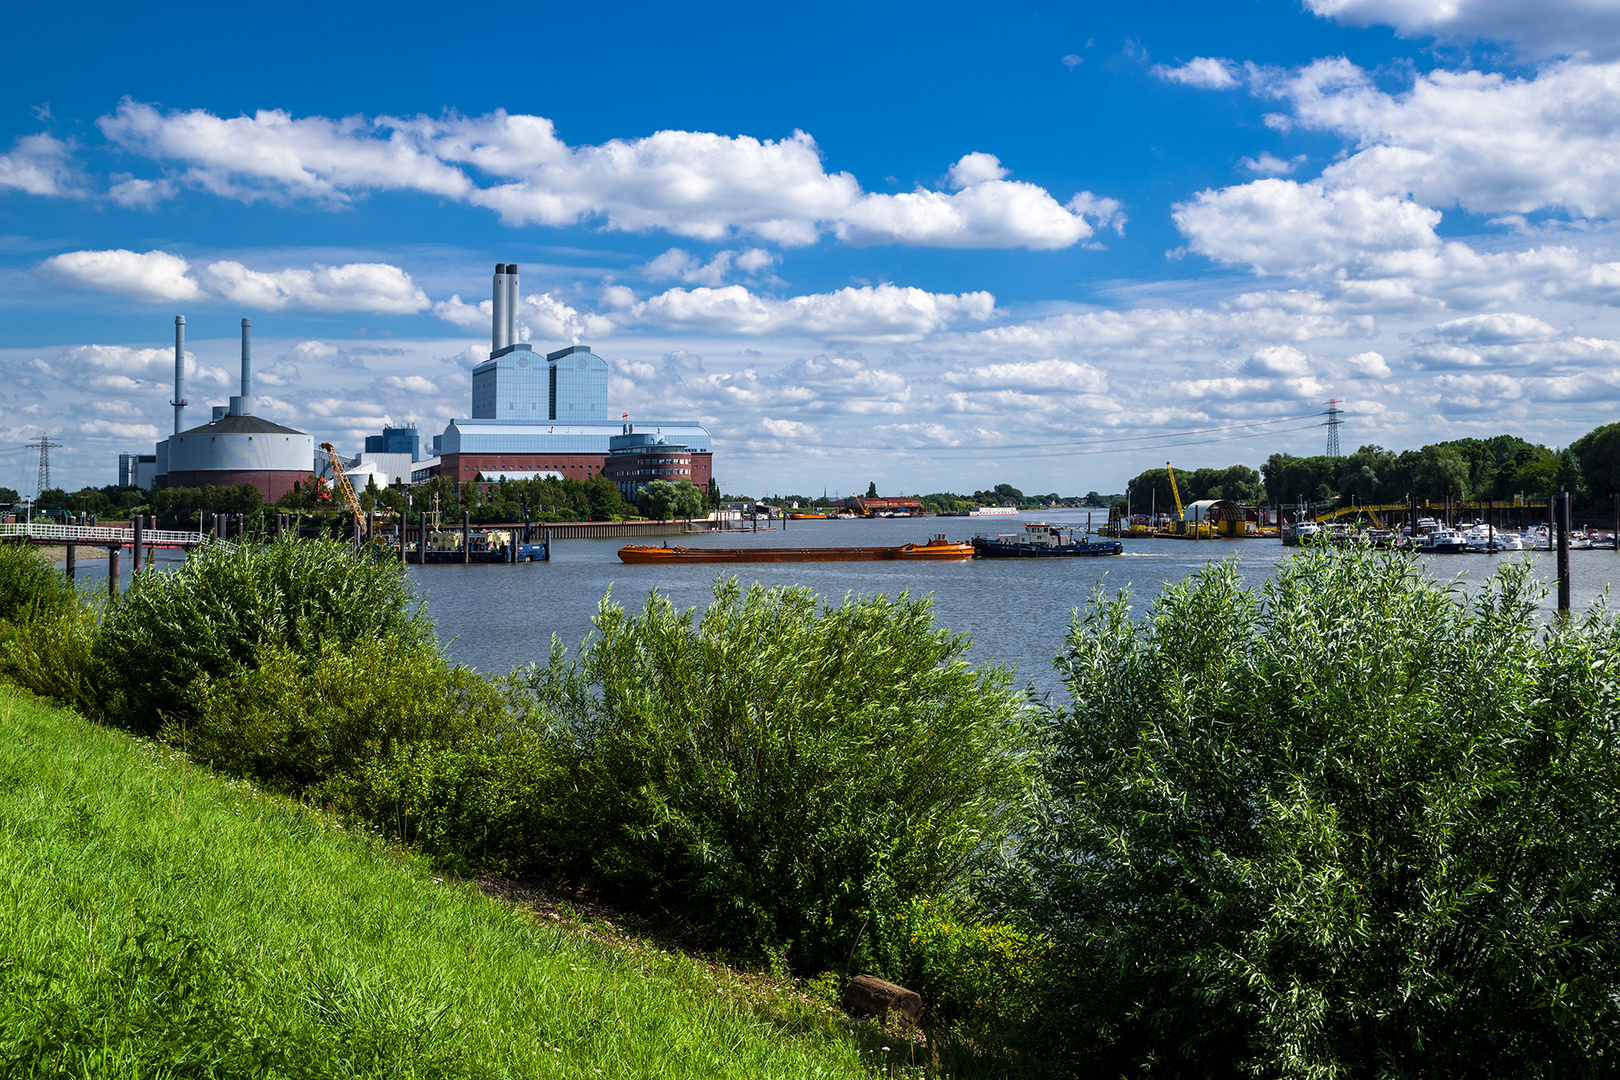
column 778, row 771
column 1356, row 822
column 218, row 610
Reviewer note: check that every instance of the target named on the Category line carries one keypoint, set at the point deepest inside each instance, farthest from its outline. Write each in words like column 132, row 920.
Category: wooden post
column 404, row 516
column 1562, row 501
column 1617, row 521
column 137, row 521
column 72, row 560
column 548, row 545
column 112, row 571
column 466, row 536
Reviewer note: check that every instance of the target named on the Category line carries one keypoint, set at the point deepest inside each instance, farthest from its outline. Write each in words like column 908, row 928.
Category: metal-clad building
column 532, row 416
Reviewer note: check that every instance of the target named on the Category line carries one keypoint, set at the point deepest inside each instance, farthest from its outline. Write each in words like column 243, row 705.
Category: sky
column 931, row 246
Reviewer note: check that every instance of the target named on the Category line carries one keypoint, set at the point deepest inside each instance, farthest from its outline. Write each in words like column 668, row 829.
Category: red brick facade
column 463, row 468
column 272, row 485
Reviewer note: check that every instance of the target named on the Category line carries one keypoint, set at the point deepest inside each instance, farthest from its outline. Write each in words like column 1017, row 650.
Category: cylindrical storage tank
column 497, row 318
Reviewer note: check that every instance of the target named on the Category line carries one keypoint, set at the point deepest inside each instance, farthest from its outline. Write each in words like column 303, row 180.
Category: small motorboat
column 1442, row 542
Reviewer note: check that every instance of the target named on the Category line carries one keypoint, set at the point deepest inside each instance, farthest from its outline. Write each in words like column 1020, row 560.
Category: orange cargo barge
column 936, row 549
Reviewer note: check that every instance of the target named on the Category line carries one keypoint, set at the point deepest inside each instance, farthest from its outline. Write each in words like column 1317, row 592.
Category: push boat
column 1041, row 541
column 937, row 549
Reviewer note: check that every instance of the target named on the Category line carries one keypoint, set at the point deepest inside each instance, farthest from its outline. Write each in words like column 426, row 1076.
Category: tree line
column 1498, row 468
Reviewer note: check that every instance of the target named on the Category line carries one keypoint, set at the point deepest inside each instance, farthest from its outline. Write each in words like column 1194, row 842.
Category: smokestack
column 512, row 303
column 243, row 405
column 179, row 401
column 498, row 336
column 247, row 358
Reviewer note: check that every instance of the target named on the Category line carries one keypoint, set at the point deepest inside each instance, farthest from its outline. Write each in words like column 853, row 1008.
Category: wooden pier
column 143, row 542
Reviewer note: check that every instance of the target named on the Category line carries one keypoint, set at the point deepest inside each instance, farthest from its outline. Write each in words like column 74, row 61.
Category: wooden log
column 867, row 995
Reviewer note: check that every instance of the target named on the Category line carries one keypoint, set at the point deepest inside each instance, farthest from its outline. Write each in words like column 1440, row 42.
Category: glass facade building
column 516, row 386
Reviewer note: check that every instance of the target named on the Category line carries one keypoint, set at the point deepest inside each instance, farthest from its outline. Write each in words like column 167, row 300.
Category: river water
column 1015, row 611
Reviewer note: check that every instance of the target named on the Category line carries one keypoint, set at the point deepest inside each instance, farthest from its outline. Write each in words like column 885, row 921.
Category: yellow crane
column 1180, row 513
column 341, row 483
column 1190, row 530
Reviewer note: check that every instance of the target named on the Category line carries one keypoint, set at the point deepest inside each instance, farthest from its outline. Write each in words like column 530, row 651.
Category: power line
column 1146, row 439
column 1049, row 449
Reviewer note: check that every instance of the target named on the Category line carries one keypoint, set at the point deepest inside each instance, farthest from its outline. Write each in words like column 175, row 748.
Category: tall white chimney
column 512, row 304
column 179, row 401
column 498, row 335
column 243, row 405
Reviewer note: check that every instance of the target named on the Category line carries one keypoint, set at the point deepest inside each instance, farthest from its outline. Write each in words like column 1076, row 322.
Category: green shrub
column 30, row 587
column 1353, row 823
column 980, row 978
column 51, row 654
column 215, row 612
column 297, row 721
column 780, row 771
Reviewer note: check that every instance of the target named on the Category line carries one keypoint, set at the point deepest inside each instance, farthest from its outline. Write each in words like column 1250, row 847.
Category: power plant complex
column 533, row 415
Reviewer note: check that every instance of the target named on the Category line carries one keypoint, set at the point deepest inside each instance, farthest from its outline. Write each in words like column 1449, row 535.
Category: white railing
column 100, row 534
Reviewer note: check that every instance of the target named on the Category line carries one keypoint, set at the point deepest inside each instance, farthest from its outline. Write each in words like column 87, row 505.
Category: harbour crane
column 341, row 483
column 1180, row 513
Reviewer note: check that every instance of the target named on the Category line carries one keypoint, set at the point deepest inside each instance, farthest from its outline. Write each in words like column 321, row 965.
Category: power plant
column 235, row 446
column 533, row 415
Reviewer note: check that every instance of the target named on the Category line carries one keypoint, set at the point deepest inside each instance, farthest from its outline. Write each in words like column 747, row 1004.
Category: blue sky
column 937, row 246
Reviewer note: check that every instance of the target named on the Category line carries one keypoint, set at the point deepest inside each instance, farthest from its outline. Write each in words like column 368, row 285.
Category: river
column 1015, row 611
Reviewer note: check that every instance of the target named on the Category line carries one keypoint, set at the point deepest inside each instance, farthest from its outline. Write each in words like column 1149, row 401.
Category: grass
column 162, row 922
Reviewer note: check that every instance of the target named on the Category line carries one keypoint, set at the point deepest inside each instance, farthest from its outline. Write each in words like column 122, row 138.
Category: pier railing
column 99, row 534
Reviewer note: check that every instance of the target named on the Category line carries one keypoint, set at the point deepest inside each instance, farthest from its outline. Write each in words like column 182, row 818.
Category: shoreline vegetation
column 1352, row 821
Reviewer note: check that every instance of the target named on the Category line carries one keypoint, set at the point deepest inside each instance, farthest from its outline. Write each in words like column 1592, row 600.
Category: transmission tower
column 44, row 444
column 1332, row 424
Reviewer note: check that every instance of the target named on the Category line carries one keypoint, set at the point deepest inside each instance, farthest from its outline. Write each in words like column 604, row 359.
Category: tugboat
column 1041, row 541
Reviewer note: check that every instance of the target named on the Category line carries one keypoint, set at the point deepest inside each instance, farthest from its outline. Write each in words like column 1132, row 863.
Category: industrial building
column 536, row 415
column 235, row 446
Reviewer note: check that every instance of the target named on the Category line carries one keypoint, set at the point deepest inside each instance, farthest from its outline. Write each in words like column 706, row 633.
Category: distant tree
column 1598, row 452
column 177, row 508
column 1441, row 472
column 871, row 490
column 664, row 499
column 1009, row 493
column 9, row 495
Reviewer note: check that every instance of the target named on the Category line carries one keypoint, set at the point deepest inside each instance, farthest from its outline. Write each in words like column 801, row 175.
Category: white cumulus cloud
column 151, row 275
column 1542, row 29
column 690, row 183
column 161, row 276
column 40, row 165
column 869, row 313
column 1204, row 72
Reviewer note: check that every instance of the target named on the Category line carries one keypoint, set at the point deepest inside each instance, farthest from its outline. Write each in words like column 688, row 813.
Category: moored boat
column 937, row 549
column 1042, row 541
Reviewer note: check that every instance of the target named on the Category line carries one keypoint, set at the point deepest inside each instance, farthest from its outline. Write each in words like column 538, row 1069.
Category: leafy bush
column 50, row 654
column 297, row 721
column 216, row 612
column 1355, row 823
column 30, row 587
column 780, row 771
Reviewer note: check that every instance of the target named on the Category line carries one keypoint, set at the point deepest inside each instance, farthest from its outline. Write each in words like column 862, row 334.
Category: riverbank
column 163, row 919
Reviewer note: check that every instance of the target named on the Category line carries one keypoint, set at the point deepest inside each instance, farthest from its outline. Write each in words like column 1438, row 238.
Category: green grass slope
column 156, row 921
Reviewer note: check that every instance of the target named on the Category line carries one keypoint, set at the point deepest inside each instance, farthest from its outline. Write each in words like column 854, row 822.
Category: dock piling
column 72, row 560
column 112, row 570
column 1561, row 500
column 466, row 536
column 137, row 521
